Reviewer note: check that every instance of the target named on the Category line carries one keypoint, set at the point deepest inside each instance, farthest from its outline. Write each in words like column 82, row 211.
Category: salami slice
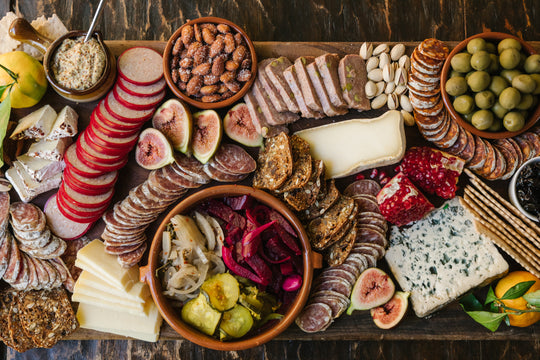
column 361, row 187
column 461, row 143
column 23, row 278
column 526, row 147
column 121, row 249
column 315, row 317
column 348, row 268
column 517, row 151
column 235, row 159
column 510, row 157
column 357, row 260
column 5, row 250
column 367, row 204
column 192, row 167
column 334, row 283
column 131, row 258
column 33, row 280
column 177, row 178
column 27, row 217
column 449, row 138
column 534, row 140
column 479, row 157
column 336, row 303
column 500, row 166
column 342, row 273
column 4, row 211
column 368, row 235
column 222, row 176
column 15, row 261
column 73, row 164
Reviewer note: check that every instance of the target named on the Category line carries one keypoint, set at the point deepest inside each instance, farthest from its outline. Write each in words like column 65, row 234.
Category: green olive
column 475, row 45
column 532, row 64
column 455, row 73
column 536, row 78
column 527, row 101
column 509, row 58
column 482, row 119
column 510, row 98
column 497, row 85
column 508, row 43
column 480, row 60
column 456, row 86
column 468, row 117
column 484, row 99
column 499, row 110
column 461, row 62
column 464, row 104
column 524, row 83
column 496, row 126
column 478, row 81
column 513, row 121
column 510, row 74
column 491, row 48
column 494, row 65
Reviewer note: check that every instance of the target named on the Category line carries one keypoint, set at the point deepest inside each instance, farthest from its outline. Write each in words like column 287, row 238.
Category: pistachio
column 401, row 76
column 392, row 102
column 366, row 50
column 390, row 87
column 382, row 48
column 397, row 52
column 388, row 73
column 381, row 85
column 400, row 89
column 372, row 63
column 405, row 103
column 379, row 101
column 405, row 62
column 408, row 119
column 384, row 59
column 375, row 75
column 371, row 89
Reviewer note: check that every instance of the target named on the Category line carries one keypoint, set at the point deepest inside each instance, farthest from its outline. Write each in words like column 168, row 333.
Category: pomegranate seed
column 382, row 175
column 374, row 173
column 359, row 177
column 385, row 181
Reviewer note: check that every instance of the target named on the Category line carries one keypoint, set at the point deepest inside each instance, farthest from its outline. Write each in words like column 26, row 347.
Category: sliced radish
column 104, row 115
column 94, row 155
column 140, row 65
column 86, row 201
column 123, row 113
column 137, row 102
column 61, row 226
column 141, row 90
column 73, row 163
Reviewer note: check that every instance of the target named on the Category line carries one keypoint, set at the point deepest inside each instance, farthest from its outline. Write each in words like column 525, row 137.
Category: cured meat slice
column 368, row 235
column 479, row 157
column 328, row 64
column 517, row 151
column 61, row 226
column 361, row 187
column 235, row 159
column 366, row 203
column 27, row 217
column 353, row 78
column 500, row 166
column 137, row 102
column 274, row 70
column 192, row 167
column 131, row 258
column 220, row 175
column 342, row 273
column 534, row 140
column 15, row 263
column 294, row 84
column 358, row 261
column 314, row 317
column 336, row 301
column 174, row 177
column 5, row 251
column 334, row 283
column 526, row 147
column 510, row 157
column 348, row 268
column 23, row 278
column 271, row 114
column 4, row 211
column 141, row 90
column 270, row 87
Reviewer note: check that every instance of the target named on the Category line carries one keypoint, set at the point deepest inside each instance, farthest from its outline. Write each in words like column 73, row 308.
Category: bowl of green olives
column 490, row 84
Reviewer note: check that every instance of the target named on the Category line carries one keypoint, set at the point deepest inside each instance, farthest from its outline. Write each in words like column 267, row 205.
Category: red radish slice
column 99, row 184
column 94, row 155
column 95, row 143
column 104, row 115
column 137, row 102
column 113, row 141
column 71, row 215
column 60, row 225
column 138, row 90
column 111, row 130
column 79, row 211
column 123, row 113
column 85, row 201
column 140, row 65
column 75, row 165
column 101, row 168
column 80, row 187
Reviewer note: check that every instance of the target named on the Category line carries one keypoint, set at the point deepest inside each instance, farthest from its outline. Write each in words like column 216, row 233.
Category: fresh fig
column 390, row 314
column 174, row 120
column 238, row 125
column 373, row 288
column 153, row 150
column 206, row 134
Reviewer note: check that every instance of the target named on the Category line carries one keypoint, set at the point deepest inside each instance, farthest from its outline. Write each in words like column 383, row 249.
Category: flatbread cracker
column 7, row 44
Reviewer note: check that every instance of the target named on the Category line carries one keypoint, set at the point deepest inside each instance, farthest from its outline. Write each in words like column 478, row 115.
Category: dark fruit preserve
column 528, row 188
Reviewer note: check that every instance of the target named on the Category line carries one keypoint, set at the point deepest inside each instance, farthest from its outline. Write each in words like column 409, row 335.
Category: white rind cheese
column 36, row 125
column 65, row 124
column 49, row 149
column 40, row 169
column 441, row 257
column 26, row 186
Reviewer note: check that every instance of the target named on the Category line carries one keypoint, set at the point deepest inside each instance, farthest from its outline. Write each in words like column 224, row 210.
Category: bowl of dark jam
column 524, row 189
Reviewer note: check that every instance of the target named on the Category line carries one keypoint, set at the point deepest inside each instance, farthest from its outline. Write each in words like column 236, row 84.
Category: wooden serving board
column 451, row 323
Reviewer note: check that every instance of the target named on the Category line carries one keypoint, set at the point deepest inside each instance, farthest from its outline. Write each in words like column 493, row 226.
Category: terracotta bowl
column 172, row 315
column 167, row 55
column 21, row 30
column 494, row 37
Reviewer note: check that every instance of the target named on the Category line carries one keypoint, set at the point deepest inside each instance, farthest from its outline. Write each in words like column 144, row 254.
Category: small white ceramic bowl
column 512, row 189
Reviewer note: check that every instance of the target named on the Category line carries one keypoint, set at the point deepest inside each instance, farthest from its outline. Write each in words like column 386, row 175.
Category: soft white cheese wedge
column 36, row 125
column 351, row 146
column 40, row 169
column 49, row 149
column 65, row 124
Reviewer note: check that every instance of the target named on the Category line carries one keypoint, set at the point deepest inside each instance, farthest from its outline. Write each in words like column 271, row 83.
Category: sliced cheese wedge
column 49, row 149
column 351, row 146
column 139, row 292
column 109, row 302
column 40, row 169
column 65, row 124
column 36, row 125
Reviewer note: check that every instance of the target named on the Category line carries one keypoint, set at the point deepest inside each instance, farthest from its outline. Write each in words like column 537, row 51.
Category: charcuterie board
column 451, row 323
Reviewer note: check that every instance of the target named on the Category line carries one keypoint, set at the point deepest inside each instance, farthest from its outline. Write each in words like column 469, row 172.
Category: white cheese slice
column 109, row 302
column 36, row 125
column 138, row 292
column 118, row 322
column 15, row 179
column 95, row 260
column 40, row 169
column 34, row 187
column 348, row 147
column 65, row 124
column 82, row 289
column 49, row 149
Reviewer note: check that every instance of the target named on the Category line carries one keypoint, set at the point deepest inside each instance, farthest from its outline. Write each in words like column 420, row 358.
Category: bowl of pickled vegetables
column 490, row 84
column 230, row 267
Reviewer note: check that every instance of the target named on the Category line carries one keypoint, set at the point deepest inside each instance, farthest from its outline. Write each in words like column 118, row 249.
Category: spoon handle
column 94, row 20
column 21, row 30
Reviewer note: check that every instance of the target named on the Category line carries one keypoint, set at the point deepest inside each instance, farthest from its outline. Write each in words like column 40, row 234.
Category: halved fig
column 238, row 125
column 373, row 288
column 206, row 135
column 153, row 150
column 390, row 314
column 174, row 120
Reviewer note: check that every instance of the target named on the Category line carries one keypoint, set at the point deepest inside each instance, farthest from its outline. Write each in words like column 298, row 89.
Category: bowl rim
column 448, row 102
column 512, row 188
column 47, row 63
column 170, row 314
column 199, row 104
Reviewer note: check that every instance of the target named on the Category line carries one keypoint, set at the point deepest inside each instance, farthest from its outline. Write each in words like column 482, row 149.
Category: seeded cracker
column 275, row 163
column 321, row 229
column 339, row 252
column 17, row 339
column 323, row 202
column 302, row 198
column 302, row 167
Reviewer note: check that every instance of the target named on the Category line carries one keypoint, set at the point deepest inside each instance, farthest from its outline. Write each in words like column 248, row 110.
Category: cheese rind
column 139, row 292
column 348, row 147
column 441, row 257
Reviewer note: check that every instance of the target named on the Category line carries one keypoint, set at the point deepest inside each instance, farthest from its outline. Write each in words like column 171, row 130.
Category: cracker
column 18, row 339
column 321, row 229
column 275, row 163
column 304, row 197
column 339, row 251
column 7, row 44
column 302, row 165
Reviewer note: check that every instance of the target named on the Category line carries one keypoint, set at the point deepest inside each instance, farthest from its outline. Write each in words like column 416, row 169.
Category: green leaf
column 10, row 73
column 533, row 298
column 5, row 110
column 490, row 296
column 517, row 290
column 4, row 87
column 487, row 319
column 470, row 303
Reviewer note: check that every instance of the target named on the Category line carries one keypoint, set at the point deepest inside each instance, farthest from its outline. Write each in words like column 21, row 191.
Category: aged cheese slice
column 36, row 125
column 138, row 292
column 94, row 259
column 40, row 169
column 109, row 302
column 117, row 322
column 351, row 146
column 65, row 124
column 81, row 289
column 15, row 179
column 49, row 149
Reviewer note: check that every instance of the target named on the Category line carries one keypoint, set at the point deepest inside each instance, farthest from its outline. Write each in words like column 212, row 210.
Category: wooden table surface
column 294, row 20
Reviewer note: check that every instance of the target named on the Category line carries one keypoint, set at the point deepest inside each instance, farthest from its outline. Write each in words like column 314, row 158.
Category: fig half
column 174, row 120
column 153, row 150
column 373, row 288
column 206, row 134
column 390, row 314
column 238, row 125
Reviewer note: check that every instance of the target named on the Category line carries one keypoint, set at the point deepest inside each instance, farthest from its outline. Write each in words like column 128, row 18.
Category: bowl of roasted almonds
column 210, row 63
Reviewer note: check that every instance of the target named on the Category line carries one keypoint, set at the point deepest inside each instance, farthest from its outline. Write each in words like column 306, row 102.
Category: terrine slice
column 274, row 70
column 273, row 117
column 292, row 79
column 315, row 77
column 308, row 91
column 328, row 68
column 259, row 121
column 353, row 78
column 269, row 87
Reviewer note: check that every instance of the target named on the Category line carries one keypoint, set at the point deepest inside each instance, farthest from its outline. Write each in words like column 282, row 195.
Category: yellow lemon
column 31, row 82
column 506, row 283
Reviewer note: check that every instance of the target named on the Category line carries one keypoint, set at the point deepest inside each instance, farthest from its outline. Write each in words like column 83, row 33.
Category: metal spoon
column 94, row 20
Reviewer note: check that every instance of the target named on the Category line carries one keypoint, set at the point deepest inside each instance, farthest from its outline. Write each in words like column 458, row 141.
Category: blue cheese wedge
column 40, row 169
column 441, row 257
column 49, row 149
column 36, row 125
column 65, row 124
